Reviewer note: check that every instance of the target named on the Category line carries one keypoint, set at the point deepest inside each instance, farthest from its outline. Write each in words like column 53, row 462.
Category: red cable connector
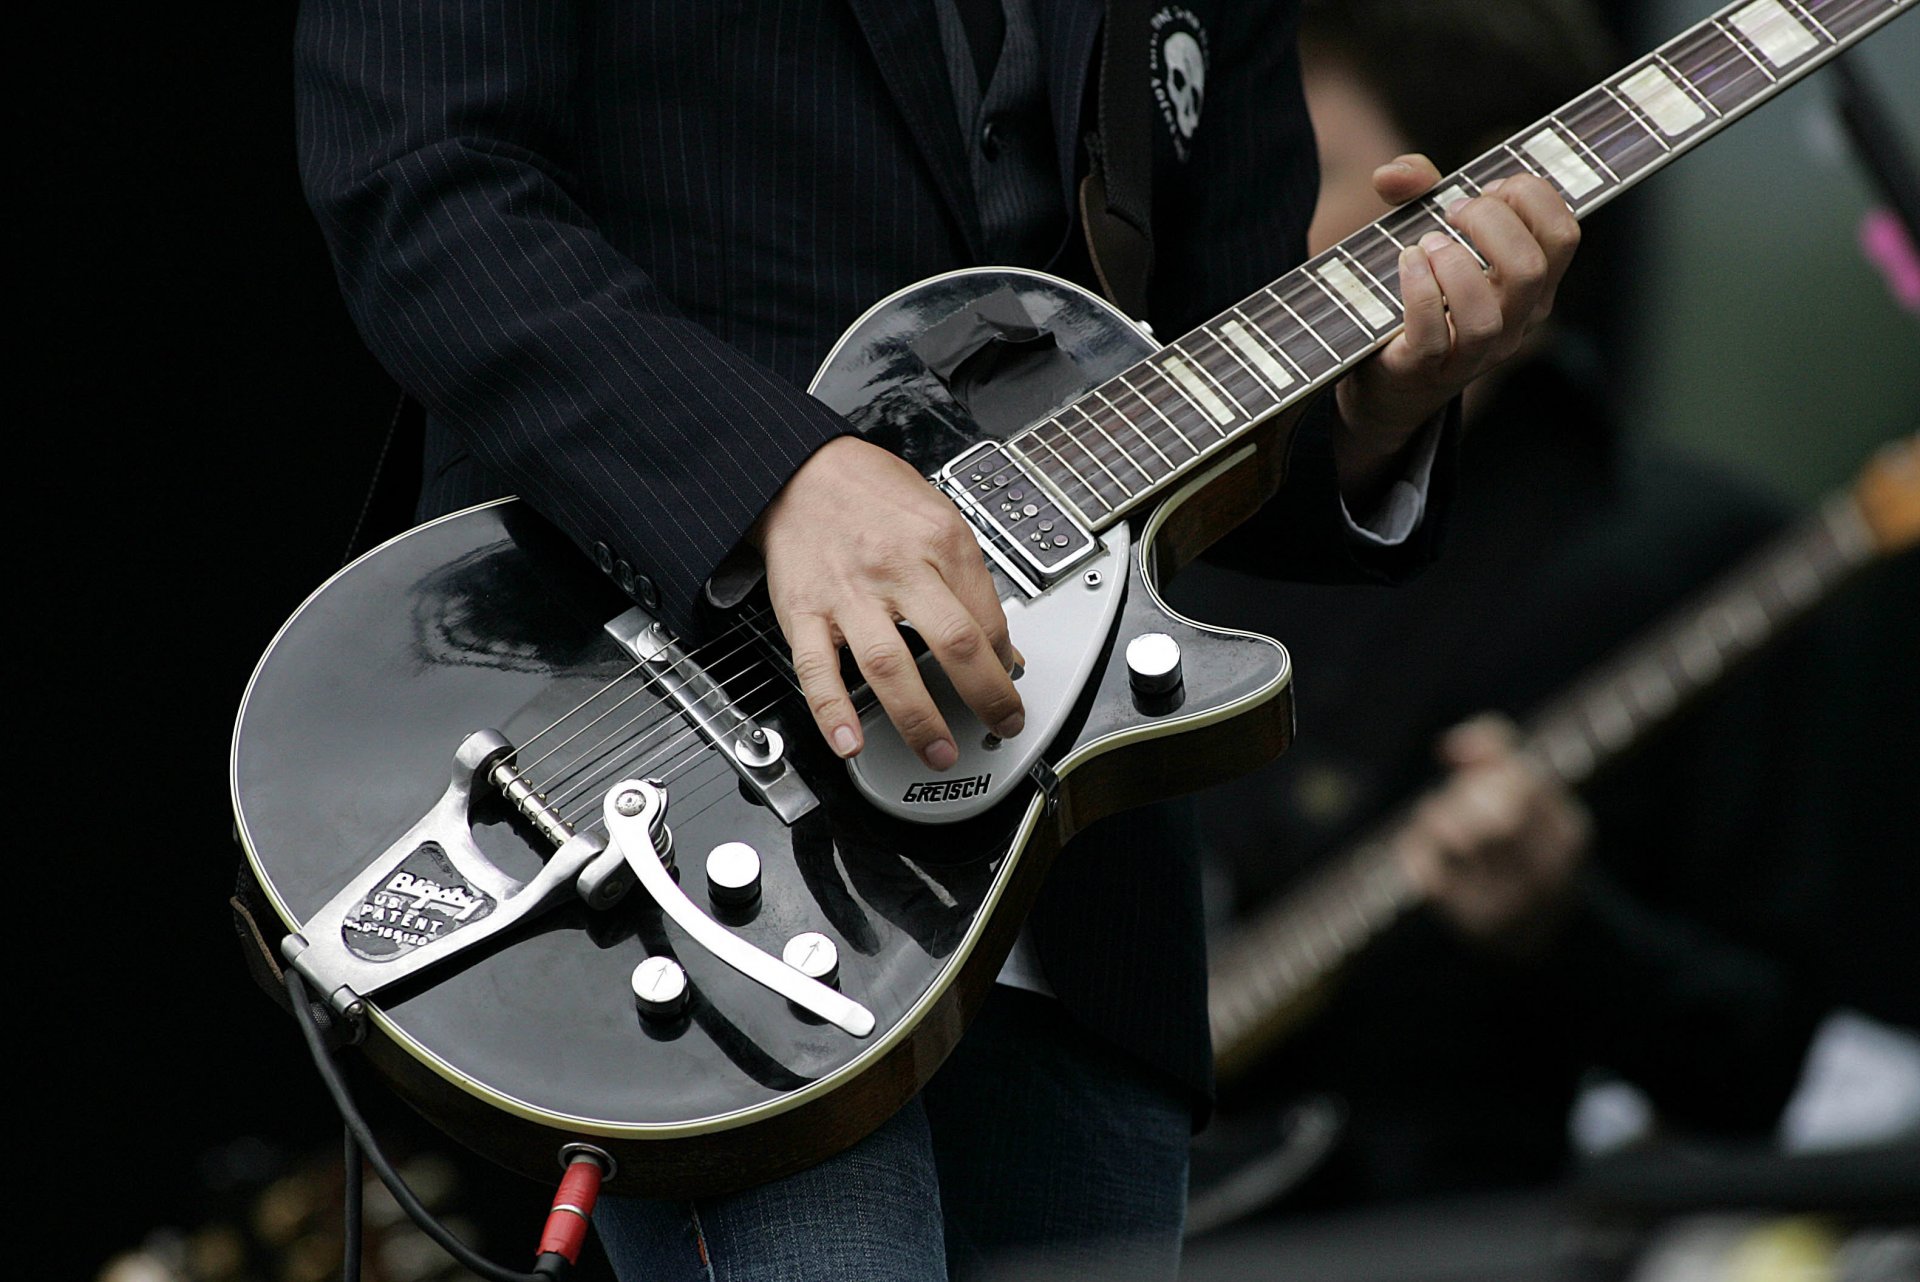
column 566, row 1230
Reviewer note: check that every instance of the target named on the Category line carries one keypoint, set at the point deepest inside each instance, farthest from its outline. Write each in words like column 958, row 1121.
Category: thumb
column 1405, row 177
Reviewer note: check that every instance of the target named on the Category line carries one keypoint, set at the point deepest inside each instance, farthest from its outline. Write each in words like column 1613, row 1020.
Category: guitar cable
column 566, row 1227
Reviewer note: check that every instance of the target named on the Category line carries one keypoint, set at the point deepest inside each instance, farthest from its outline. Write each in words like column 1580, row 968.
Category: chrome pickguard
column 1062, row 633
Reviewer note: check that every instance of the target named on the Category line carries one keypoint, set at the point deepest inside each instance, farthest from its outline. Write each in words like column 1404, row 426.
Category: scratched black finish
column 490, row 619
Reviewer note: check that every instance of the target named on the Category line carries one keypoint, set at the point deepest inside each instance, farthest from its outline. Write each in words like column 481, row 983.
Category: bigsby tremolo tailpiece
column 433, row 894
column 634, row 809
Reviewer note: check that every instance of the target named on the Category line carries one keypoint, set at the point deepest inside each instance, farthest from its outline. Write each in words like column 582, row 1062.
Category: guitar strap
column 1116, row 196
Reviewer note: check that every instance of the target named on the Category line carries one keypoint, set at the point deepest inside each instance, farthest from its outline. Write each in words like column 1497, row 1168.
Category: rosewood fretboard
column 1117, row 447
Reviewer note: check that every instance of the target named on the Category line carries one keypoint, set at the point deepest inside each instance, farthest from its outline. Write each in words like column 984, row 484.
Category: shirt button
column 623, row 575
column 603, row 557
column 648, row 594
column 993, row 136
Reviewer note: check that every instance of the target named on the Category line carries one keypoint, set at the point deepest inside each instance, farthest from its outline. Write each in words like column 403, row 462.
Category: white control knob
column 660, row 988
column 813, row 955
column 733, row 873
column 1153, row 663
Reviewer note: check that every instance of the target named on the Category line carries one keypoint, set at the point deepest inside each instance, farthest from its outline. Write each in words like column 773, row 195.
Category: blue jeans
column 1035, row 1151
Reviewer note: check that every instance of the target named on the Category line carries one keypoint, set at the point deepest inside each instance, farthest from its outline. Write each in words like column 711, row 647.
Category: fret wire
column 1378, row 284
column 1148, row 402
column 1463, row 180
column 1835, row 18
column 1686, row 83
column 1179, row 397
column 1103, row 452
column 1108, row 438
column 1314, row 280
column 1808, row 15
column 1098, row 462
column 1519, row 160
column 1035, row 467
column 1084, row 483
column 1143, row 432
column 1492, row 166
column 1195, row 362
column 1633, row 112
column 1388, row 248
column 1116, row 440
column 1727, row 69
column 1312, row 321
column 1181, row 392
column 1340, row 319
column 1740, row 43
column 1583, row 145
column 1258, row 319
column 1315, row 334
column 1604, row 125
column 1426, row 208
column 1264, row 386
column 1093, row 448
column 1254, row 389
column 1278, row 347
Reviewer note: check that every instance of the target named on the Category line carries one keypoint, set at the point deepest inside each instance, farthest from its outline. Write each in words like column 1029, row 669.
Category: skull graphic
column 1186, row 80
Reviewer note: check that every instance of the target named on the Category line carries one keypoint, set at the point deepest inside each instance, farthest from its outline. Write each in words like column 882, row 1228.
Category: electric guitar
column 575, row 883
column 1263, row 978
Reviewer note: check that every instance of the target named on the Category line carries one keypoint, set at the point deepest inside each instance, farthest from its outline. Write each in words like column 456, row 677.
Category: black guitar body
column 490, row 619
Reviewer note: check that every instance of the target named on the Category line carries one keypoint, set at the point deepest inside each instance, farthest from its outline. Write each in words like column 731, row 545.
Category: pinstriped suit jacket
column 606, row 244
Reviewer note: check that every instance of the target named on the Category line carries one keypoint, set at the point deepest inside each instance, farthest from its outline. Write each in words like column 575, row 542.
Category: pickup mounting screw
column 1092, row 578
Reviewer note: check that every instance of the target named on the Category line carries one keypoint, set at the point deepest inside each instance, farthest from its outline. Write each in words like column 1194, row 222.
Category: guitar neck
column 1125, row 443
column 1617, row 704
column 1263, row 974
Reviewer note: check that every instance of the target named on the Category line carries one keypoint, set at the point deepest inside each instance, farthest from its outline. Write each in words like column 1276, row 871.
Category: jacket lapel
column 905, row 38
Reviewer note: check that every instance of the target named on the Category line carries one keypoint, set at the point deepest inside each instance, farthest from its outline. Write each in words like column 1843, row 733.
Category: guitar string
column 624, row 734
column 620, row 733
column 659, row 752
column 1243, row 382
column 1315, row 315
column 603, row 690
column 1232, row 378
column 651, row 768
column 696, row 660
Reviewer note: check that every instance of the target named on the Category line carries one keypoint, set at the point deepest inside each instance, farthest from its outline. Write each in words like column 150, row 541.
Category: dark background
column 209, row 431
column 201, row 430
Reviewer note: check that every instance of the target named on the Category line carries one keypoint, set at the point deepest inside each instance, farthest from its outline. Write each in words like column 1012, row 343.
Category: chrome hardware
column 1092, row 578
column 660, row 988
column 755, row 752
column 433, row 893
column 632, row 836
column 813, row 955
column 1153, row 663
column 733, row 873
column 759, row 749
column 1065, row 634
column 1035, row 535
column 579, row 1152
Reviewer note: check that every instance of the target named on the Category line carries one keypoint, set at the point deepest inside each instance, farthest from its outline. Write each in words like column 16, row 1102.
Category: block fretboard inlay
column 1118, row 446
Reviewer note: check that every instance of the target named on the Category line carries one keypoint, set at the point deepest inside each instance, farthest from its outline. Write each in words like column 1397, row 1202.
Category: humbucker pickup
column 1020, row 515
